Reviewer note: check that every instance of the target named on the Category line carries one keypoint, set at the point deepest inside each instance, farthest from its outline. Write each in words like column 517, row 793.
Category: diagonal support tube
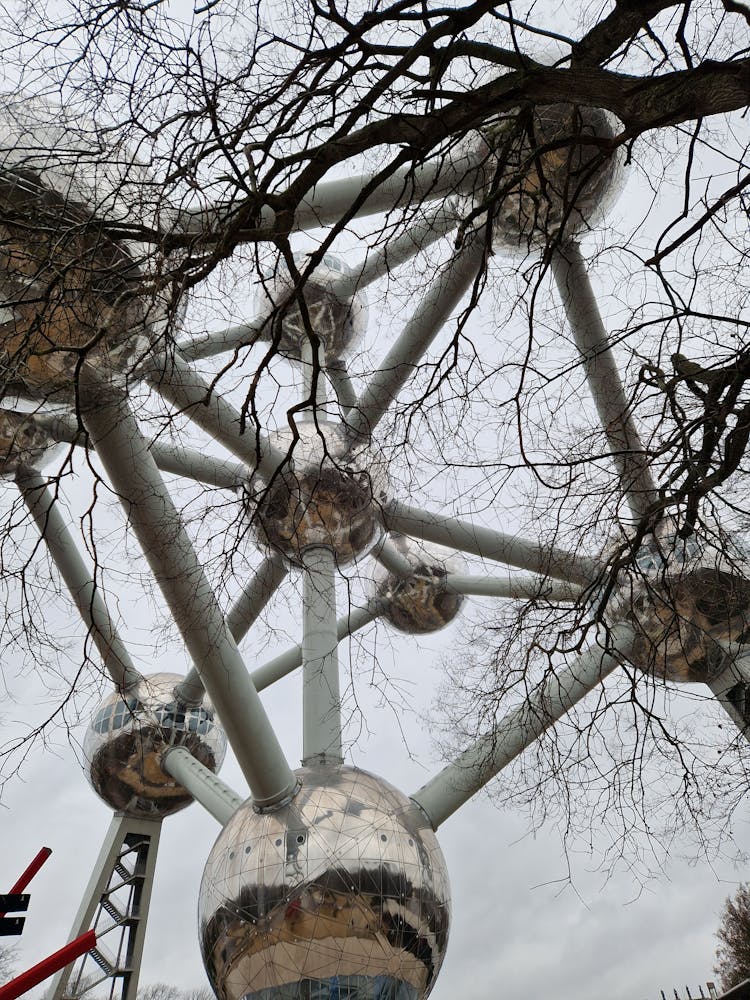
column 167, row 547
column 180, row 461
column 513, row 587
column 241, row 617
column 86, row 595
column 732, row 687
column 321, row 698
column 185, row 389
column 206, row 788
column 445, row 293
column 495, row 545
column 393, row 253
column 556, row 695
column 289, row 661
column 604, row 379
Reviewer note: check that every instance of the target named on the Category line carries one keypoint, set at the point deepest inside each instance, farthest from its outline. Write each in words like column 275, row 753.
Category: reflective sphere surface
column 24, row 442
column 64, row 283
column 326, row 495
column 419, row 604
column 127, row 735
column 339, row 322
column 682, row 596
column 341, row 893
column 569, row 186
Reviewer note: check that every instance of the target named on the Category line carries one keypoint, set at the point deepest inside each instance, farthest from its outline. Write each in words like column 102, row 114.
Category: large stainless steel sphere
column 341, row 893
column 129, row 732
column 540, row 194
column 683, row 596
column 420, row 603
column 338, row 321
column 24, row 442
column 67, row 288
column 326, row 495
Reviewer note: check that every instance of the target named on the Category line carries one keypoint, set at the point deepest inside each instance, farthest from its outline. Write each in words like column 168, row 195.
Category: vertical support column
column 321, row 720
column 115, row 904
column 604, row 379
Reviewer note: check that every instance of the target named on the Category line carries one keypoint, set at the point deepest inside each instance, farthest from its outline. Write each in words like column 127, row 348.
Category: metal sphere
column 338, row 321
column 567, row 187
column 129, row 732
column 64, row 283
column 24, row 442
column 684, row 596
column 342, row 892
column 420, row 603
column 326, row 495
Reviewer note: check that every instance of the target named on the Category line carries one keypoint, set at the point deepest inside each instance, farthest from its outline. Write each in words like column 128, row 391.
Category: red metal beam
column 30, row 871
column 48, row 967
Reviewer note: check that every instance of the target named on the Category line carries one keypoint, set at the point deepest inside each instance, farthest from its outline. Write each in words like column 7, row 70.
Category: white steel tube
column 165, row 543
column 180, row 461
column 289, row 661
column 604, row 379
column 453, row 172
column 443, row 296
column 388, row 555
column 495, row 545
column 206, row 345
column 86, row 595
column 189, row 392
column 321, row 698
column 206, row 788
column 342, row 385
column 395, row 252
column 242, row 615
column 512, row 587
column 556, row 695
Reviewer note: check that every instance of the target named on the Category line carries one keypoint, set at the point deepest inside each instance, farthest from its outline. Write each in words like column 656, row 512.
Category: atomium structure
column 326, row 881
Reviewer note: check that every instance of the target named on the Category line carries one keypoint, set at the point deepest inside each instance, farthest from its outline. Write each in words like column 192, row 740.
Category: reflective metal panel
column 23, row 442
column 64, row 283
column 343, row 888
column 127, row 735
column 533, row 195
column 338, row 322
column 419, row 604
column 682, row 595
column 327, row 495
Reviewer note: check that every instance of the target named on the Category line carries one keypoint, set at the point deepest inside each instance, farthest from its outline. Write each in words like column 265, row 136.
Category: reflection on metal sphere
column 64, row 283
column 341, row 893
column 24, row 442
column 327, row 495
column 339, row 322
column 419, row 604
column 127, row 735
column 683, row 596
column 569, row 186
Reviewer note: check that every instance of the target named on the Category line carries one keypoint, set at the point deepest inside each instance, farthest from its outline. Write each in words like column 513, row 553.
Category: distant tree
column 8, row 955
column 733, row 953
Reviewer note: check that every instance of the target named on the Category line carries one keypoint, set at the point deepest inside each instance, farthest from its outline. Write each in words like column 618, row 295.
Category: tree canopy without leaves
column 733, row 953
column 240, row 111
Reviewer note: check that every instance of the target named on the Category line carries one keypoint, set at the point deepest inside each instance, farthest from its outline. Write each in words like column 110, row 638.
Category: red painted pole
column 31, row 871
column 48, row 967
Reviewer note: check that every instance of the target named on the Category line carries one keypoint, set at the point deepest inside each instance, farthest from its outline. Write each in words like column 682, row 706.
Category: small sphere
column 326, row 495
column 684, row 596
column 338, row 321
column 342, row 892
column 128, row 734
column 567, row 187
column 420, row 603
column 65, row 283
column 24, row 442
